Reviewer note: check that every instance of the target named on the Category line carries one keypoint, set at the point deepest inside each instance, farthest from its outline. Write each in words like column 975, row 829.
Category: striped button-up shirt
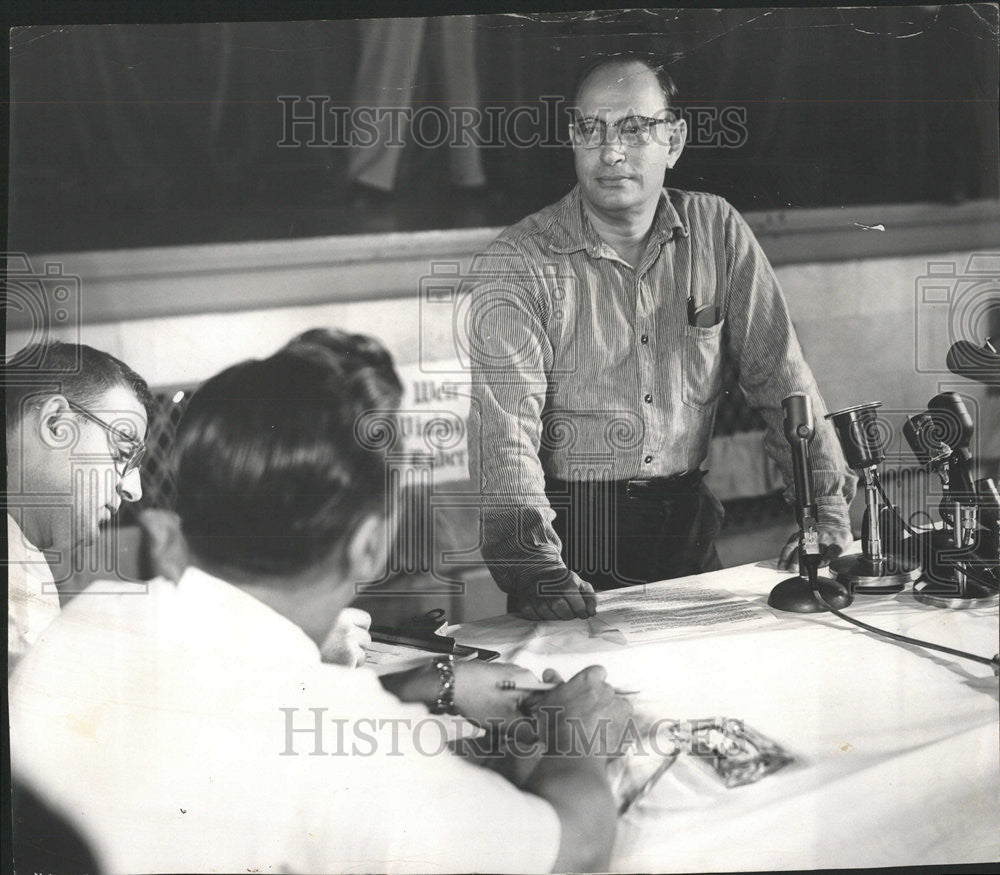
column 585, row 367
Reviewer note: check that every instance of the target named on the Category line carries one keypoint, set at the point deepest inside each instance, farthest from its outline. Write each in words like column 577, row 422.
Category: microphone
column 873, row 572
column 800, row 429
column 989, row 502
column 940, row 439
column 967, row 360
column 953, row 416
column 796, row 593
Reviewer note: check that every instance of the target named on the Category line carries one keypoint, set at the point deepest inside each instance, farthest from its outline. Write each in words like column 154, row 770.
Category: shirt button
column 644, row 338
column 648, row 398
column 648, row 459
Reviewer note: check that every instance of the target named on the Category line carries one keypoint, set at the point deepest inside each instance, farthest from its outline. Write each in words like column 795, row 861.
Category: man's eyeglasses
column 131, row 457
column 633, row 130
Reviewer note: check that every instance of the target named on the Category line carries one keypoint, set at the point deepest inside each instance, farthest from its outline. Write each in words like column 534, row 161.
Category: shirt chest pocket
column 702, row 365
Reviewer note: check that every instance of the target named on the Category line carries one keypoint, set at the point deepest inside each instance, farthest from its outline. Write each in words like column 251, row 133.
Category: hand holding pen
column 582, row 716
column 545, row 687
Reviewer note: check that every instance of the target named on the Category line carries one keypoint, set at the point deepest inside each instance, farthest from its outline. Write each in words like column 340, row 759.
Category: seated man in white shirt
column 195, row 728
column 75, row 422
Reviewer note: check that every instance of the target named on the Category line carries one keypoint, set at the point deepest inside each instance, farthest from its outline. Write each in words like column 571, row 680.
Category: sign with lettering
column 433, row 417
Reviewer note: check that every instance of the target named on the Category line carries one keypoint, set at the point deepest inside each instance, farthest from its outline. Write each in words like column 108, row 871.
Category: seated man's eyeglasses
column 633, row 130
column 131, row 456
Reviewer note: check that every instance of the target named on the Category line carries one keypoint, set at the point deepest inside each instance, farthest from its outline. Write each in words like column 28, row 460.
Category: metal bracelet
column 445, row 703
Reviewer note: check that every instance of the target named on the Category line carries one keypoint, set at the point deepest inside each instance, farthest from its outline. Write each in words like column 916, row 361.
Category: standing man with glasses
column 597, row 338
column 75, row 422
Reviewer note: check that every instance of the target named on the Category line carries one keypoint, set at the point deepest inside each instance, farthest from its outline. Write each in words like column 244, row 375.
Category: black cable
column 813, row 572
column 878, row 485
column 981, row 579
column 930, row 519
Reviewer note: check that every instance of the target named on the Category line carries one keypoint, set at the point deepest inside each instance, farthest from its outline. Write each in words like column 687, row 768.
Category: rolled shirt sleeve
column 510, row 358
column 771, row 367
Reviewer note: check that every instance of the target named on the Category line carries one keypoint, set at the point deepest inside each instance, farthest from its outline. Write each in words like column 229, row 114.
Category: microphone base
column 939, row 595
column 795, row 596
column 864, row 576
column 939, row 584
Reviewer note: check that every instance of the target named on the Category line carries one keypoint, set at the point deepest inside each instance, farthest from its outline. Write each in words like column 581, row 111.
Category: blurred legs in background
column 387, row 73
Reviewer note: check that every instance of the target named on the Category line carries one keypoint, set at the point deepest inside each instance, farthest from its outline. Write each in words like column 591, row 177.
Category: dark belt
column 650, row 489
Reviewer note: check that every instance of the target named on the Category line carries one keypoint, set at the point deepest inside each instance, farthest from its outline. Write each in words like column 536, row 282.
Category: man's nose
column 130, row 486
column 612, row 152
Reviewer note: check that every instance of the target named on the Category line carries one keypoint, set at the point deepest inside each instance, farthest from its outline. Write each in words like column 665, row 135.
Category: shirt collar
column 19, row 545
column 238, row 616
column 16, row 537
column 574, row 231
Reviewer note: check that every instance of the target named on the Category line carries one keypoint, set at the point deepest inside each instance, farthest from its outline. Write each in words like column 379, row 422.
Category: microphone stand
column 989, row 510
column 940, row 438
column 874, row 571
column 796, row 594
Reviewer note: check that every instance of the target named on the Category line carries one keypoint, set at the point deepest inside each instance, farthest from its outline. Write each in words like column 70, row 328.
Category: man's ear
column 166, row 547
column 678, row 138
column 55, row 428
column 367, row 548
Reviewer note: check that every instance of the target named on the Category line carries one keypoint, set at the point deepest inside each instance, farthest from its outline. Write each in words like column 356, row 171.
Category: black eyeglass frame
column 646, row 131
column 134, row 458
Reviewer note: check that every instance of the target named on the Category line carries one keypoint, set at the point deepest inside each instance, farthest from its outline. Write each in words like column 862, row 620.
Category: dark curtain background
column 139, row 135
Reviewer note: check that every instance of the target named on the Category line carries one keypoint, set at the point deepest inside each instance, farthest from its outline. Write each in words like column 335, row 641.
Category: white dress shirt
column 177, row 731
column 32, row 598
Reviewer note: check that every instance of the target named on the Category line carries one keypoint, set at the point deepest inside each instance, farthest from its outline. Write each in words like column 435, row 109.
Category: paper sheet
column 387, row 658
column 655, row 613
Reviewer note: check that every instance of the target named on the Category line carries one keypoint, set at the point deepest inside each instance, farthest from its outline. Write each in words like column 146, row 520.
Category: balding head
column 623, row 67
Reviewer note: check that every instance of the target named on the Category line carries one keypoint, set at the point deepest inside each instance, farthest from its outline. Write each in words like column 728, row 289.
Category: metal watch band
column 445, row 703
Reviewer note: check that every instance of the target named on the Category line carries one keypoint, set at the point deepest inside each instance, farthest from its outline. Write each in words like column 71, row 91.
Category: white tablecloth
column 897, row 747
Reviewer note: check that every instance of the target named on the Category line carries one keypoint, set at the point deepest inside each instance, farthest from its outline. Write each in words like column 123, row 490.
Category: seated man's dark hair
column 81, row 373
column 666, row 83
column 274, row 466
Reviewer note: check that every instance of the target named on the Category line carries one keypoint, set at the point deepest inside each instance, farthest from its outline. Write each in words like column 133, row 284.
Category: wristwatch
column 445, row 666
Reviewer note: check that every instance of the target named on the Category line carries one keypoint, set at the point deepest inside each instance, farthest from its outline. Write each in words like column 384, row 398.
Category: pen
column 544, row 688
column 647, row 785
column 704, row 316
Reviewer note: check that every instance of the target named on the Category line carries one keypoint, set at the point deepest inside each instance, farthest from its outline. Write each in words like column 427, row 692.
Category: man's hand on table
column 832, row 543
column 579, row 710
column 348, row 637
column 565, row 599
column 834, row 526
column 594, row 712
column 478, row 696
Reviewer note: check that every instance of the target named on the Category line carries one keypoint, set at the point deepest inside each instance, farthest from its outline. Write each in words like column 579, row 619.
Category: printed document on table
column 653, row 613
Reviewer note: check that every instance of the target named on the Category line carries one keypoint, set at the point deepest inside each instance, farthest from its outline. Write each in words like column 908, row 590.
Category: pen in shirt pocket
column 705, row 315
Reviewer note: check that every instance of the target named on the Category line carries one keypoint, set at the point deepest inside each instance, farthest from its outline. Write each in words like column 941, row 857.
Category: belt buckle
column 636, row 488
